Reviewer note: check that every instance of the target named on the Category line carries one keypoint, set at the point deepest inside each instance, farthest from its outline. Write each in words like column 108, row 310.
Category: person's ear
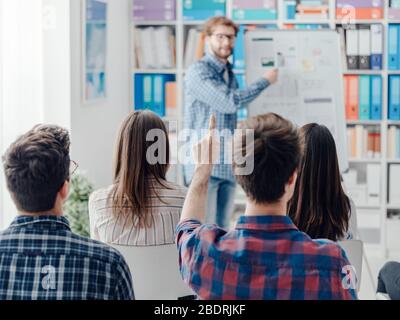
column 293, row 178
column 64, row 190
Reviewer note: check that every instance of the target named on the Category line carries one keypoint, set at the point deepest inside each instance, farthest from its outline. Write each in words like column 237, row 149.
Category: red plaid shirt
column 264, row 257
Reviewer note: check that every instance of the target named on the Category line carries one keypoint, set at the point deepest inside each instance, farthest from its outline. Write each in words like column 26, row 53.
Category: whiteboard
column 310, row 82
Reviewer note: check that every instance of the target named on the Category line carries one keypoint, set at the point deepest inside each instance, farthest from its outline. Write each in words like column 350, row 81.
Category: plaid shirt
column 40, row 258
column 207, row 92
column 264, row 257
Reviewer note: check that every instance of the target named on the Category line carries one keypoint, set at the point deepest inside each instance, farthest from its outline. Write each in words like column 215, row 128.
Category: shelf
column 393, row 122
column 193, row 22
column 363, row 160
column 364, row 122
column 360, row 21
column 306, row 22
column 393, row 206
column 256, row 21
column 155, row 71
column 362, row 72
column 154, row 23
column 393, row 71
column 368, row 206
column 389, row 161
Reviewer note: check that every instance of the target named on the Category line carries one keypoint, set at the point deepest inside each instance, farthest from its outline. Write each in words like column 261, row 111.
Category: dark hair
column 36, row 166
column 276, row 157
column 134, row 176
column 213, row 22
column 319, row 206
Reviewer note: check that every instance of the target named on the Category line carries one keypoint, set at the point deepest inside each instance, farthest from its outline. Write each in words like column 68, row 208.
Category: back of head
column 319, row 206
column 141, row 159
column 276, row 157
column 36, row 166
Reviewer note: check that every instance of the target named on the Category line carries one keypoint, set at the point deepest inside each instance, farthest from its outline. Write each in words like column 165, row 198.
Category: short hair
column 36, row 166
column 213, row 22
column 277, row 152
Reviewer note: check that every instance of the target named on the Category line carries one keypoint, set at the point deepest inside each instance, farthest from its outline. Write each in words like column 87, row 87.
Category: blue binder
column 238, row 53
column 393, row 47
column 376, row 98
column 394, row 98
column 364, row 98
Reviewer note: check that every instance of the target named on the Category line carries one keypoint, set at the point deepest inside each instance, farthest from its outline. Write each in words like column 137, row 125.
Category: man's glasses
column 221, row 37
column 72, row 167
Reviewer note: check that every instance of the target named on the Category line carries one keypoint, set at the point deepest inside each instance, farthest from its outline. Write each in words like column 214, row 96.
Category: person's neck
column 56, row 211
column 278, row 208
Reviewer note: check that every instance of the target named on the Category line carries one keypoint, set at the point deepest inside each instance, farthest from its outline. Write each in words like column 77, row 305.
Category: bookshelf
column 378, row 213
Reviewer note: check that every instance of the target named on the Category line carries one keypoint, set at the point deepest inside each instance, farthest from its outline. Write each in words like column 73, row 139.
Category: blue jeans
column 389, row 280
column 220, row 201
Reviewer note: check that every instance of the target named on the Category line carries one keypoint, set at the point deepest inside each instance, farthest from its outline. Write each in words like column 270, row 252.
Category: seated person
column 265, row 256
column 389, row 280
column 40, row 258
column 140, row 208
column 319, row 206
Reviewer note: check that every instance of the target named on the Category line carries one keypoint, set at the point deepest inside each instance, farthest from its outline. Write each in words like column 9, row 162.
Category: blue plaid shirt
column 40, row 258
column 207, row 92
column 264, row 257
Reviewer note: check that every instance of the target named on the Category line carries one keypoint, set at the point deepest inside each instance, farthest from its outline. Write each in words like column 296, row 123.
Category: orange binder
column 360, row 13
column 170, row 99
column 351, row 97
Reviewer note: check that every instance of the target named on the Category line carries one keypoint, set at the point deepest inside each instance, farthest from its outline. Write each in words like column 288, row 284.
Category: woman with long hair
column 141, row 207
column 319, row 206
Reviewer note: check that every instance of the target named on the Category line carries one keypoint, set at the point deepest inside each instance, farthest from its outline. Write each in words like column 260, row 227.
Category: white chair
column 155, row 272
column 354, row 250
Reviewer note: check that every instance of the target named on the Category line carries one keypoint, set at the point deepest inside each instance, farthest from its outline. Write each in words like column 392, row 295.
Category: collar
column 32, row 221
column 265, row 223
column 217, row 64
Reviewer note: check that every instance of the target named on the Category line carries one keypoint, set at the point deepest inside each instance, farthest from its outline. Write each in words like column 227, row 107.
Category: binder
column 170, row 99
column 147, row 92
column 394, row 184
column 376, row 46
column 364, row 47
column 394, row 98
column 364, row 98
column 158, row 106
column 393, row 47
column 351, row 97
column 238, row 53
column 373, row 183
column 376, row 98
column 352, row 49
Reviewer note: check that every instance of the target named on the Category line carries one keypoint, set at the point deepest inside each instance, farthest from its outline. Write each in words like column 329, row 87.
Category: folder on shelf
column 394, row 97
column 393, row 47
column 376, row 97
column 364, row 98
column 351, row 86
column 238, row 53
column 352, row 49
column 391, row 142
column 158, row 96
column 143, row 92
column 364, row 47
column 373, row 183
column 394, row 184
column 376, row 46
column 170, row 99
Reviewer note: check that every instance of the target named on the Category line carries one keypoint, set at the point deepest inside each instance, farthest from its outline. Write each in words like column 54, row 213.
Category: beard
column 222, row 53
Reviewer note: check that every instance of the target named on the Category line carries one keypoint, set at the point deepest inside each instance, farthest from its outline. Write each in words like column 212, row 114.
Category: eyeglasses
column 221, row 37
column 72, row 167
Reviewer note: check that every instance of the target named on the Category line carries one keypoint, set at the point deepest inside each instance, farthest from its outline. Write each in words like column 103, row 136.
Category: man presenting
column 211, row 87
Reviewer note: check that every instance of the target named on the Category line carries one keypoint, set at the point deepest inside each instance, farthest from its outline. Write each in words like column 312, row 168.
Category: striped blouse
column 165, row 215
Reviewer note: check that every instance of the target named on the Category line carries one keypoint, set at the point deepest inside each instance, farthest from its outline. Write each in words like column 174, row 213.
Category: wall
column 94, row 126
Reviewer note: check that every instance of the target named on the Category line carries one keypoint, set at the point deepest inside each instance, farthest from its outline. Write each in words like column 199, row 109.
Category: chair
column 155, row 272
column 354, row 251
